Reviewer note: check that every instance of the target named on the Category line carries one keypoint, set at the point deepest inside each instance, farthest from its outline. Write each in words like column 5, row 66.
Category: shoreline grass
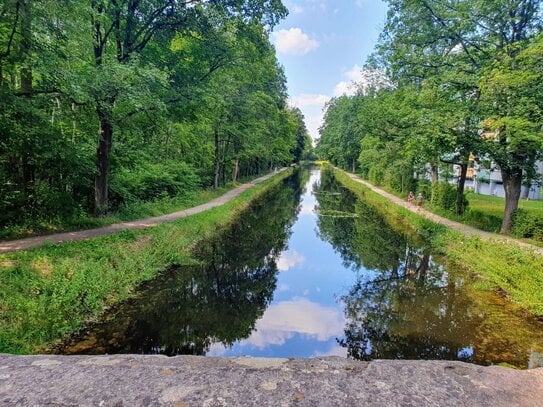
column 50, row 292
column 515, row 271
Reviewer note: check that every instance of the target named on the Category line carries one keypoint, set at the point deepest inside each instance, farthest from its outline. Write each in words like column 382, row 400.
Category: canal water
column 309, row 271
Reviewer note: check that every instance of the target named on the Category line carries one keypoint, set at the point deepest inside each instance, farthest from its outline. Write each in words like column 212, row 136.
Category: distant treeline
column 107, row 102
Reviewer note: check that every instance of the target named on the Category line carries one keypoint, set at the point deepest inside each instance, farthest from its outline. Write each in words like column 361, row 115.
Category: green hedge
column 527, row 225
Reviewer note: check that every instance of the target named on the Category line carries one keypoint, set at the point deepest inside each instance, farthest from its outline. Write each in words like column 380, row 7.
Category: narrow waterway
column 311, row 271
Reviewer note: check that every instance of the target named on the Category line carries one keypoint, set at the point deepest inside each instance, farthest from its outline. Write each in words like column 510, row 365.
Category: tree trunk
column 526, row 191
column 217, row 160
column 434, row 171
column 235, row 171
column 26, row 45
column 354, row 165
column 512, row 182
column 460, row 189
column 101, row 199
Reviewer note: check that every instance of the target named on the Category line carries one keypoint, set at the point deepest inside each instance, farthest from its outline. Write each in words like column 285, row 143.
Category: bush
column 444, row 197
column 150, row 181
column 376, row 175
column 483, row 220
column 527, row 224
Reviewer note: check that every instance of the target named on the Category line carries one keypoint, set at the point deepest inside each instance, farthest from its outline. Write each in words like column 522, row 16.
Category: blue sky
column 322, row 45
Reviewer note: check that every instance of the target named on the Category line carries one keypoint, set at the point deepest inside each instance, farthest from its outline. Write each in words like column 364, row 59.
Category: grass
column 132, row 211
column 485, row 212
column 514, row 271
column 50, row 292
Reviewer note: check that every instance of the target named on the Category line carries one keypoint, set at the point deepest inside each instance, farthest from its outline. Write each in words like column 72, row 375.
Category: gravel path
column 31, row 242
column 465, row 229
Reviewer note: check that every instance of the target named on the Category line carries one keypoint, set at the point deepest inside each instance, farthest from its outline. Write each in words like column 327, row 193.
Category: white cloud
column 360, row 3
column 345, row 88
column 355, row 74
column 289, row 259
column 308, row 208
column 361, row 79
column 294, row 42
column 297, row 9
column 307, row 99
column 313, row 123
column 349, row 87
column 283, row 288
column 300, row 316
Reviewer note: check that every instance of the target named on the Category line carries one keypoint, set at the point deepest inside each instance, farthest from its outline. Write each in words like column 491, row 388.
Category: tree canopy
column 464, row 82
column 107, row 102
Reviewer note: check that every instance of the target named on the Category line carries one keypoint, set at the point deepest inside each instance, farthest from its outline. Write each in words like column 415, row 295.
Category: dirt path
column 465, row 229
column 31, row 242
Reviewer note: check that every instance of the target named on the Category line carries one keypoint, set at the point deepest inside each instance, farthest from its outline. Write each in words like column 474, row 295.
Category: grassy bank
column 49, row 292
column 485, row 212
column 514, row 271
column 132, row 211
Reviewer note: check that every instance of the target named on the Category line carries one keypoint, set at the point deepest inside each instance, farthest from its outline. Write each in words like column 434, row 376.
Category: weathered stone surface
column 135, row 380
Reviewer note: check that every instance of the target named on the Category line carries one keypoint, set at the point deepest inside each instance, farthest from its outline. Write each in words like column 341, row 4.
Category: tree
column 512, row 92
column 454, row 40
column 130, row 26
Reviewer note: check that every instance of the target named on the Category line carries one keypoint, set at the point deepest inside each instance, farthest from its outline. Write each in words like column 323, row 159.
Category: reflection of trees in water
column 405, row 305
column 187, row 309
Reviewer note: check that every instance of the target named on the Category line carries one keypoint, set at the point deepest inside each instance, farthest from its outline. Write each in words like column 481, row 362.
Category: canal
column 309, row 271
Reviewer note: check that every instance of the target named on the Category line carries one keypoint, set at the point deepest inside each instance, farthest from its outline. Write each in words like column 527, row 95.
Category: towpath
column 465, row 229
column 31, row 242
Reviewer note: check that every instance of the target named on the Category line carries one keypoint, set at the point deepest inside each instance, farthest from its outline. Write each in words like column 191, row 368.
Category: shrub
column 527, row 224
column 444, row 197
column 151, row 181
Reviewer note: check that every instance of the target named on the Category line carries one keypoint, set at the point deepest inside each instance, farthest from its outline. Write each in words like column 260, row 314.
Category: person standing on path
column 410, row 198
column 419, row 201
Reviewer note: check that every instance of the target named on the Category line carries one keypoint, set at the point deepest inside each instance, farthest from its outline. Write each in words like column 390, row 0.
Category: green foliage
column 456, row 89
column 444, row 196
column 153, row 180
column 154, row 84
column 502, row 266
column 528, row 224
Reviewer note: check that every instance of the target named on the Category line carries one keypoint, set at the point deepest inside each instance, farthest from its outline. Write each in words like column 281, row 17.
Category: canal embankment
column 136, row 380
column 505, row 265
column 51, row 291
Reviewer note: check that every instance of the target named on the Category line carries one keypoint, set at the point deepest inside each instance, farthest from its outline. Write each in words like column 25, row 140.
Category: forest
column 106, row 103
column 451, row 82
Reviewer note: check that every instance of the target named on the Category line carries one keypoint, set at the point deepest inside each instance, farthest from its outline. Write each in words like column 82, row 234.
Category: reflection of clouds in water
column 301, row 316
column 289, row 259
column 335, row 350
column 307, row 208
column 216, row 349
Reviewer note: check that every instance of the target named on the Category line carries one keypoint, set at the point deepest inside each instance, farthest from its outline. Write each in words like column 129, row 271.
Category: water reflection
column 187, row 309
column 284, row 320
column 311, row 270
column 405, row 304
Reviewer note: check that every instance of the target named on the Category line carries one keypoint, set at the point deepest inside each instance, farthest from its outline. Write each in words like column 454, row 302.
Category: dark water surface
column 312, row 271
